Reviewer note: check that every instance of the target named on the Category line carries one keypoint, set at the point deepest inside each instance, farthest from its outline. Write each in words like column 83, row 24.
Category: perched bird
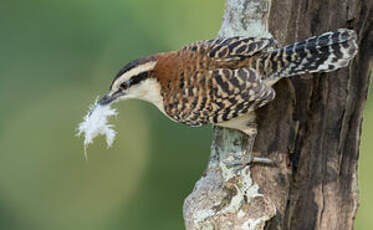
column 223, row 81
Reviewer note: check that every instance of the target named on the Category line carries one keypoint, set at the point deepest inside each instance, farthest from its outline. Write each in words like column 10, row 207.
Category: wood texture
column 318, row 131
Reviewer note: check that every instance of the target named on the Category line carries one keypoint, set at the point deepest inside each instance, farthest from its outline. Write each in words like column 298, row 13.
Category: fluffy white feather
column 95, row 123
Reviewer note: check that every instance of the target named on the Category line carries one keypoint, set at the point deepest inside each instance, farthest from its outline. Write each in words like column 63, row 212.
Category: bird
column 223, row 81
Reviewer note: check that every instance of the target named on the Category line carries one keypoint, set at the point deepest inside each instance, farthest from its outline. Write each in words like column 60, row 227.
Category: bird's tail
column 324, row 53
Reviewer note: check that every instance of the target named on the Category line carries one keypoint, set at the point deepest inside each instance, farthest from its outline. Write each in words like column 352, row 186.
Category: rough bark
column 311, row 130
column 319, row 129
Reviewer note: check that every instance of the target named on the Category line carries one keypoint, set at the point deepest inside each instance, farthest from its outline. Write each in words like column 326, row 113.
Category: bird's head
column 135, row 80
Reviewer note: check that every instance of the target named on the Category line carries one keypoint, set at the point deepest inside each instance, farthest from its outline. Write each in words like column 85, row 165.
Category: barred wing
column 238, row 46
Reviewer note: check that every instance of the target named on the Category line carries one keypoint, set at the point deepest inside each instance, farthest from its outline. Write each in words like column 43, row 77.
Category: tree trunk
column 311, row 130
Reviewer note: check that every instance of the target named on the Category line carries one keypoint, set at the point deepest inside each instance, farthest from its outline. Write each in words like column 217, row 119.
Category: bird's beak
column 109, row 98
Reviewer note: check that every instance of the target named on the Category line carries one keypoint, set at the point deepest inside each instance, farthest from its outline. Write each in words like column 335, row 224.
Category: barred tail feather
column 324, row 53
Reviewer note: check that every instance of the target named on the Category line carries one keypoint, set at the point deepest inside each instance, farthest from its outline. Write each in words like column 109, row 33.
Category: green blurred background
column 56, row 57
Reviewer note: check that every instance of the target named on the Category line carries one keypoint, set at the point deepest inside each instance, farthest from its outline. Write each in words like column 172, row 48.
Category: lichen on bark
column 226, row 198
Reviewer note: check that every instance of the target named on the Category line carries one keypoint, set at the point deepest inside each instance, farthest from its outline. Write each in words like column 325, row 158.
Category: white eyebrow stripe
column 135, row 71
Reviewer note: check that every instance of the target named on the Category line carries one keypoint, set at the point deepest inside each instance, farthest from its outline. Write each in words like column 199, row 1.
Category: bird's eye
column 124, row 86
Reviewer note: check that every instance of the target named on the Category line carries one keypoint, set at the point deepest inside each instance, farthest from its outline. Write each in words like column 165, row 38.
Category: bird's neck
column 149, row 90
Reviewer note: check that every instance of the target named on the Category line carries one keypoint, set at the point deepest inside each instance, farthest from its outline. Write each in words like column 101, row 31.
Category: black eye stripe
column 138, row 78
